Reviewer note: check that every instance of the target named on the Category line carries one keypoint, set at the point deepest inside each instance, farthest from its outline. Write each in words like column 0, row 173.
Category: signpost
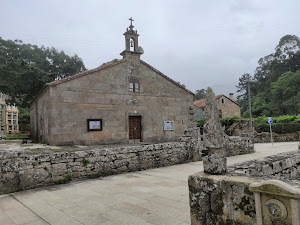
column 270, row 122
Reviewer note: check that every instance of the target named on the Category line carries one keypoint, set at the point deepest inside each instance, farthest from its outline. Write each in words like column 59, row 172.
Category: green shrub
column 67, row 178
column 227, row 122
column 24, row 120
column 199, row 123
column 280, row 119
column 85, row 162
column 17, row 136
column 280, row 128
column 281, row 124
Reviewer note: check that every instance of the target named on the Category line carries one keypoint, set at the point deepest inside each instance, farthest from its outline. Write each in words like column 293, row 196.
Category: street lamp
column 250, row 110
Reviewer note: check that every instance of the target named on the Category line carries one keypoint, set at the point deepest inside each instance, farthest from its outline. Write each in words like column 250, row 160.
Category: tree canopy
column 26, row 68
column 200, row 94
column 276, row 90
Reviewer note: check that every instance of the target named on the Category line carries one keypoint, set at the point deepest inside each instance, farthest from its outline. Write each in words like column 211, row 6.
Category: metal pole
column 250, row 113
column 271, row 134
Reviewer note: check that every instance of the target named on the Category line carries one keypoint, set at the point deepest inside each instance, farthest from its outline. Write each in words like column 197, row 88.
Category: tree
column 25, row 68
column 286, row 58
column 21, row 81
column 285, row 91
column 200, row 94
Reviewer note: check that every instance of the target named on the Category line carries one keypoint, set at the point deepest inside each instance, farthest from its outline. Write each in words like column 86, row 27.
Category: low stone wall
column 236, row 145
column 216, row 199
column 19, row 171
column 281, row 166
column 265, row 137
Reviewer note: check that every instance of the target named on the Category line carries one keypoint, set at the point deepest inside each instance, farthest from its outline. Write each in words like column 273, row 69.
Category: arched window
column 134, row 85
column 132, row 43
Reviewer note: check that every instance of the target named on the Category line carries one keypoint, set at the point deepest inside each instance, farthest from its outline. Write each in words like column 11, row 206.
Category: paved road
column 156, row 196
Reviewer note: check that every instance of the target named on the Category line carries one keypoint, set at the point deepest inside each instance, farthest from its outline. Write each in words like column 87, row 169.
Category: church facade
column 123, row 101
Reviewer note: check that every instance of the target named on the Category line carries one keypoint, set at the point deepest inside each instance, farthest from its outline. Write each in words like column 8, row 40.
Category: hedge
column 281, row 124
column 280, row 128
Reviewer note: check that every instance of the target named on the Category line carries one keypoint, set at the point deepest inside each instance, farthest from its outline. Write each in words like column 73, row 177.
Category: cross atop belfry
column 131, row 20
column 131, row 26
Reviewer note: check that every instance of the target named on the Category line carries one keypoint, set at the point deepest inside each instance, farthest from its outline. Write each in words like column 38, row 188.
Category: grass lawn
column 16, row 136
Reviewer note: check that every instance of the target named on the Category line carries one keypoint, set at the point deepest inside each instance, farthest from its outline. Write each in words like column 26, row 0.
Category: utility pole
column 250, row 111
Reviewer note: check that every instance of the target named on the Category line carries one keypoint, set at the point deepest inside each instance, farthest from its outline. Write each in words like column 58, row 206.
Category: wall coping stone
column 275, row 187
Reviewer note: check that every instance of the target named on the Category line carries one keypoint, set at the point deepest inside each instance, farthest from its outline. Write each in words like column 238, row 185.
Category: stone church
column 123, row 101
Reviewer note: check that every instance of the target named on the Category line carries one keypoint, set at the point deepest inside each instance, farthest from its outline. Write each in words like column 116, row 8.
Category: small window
column 134, row 85
column 94, row 124
column 169, row 125
column 222, row 100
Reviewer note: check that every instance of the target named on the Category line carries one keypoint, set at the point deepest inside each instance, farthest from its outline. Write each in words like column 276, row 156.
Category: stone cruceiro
column 213, row 136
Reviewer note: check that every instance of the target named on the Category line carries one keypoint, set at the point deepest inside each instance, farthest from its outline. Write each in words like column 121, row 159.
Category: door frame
column 141, row 130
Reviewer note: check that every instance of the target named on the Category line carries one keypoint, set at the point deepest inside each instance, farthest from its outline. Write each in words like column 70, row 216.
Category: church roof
column 84, row 73
column 110, row 64
column 168, row 78
column 201, row 103
column 104, row 66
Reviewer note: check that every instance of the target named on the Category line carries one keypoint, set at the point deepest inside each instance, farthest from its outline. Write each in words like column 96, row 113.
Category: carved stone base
column 214, row 164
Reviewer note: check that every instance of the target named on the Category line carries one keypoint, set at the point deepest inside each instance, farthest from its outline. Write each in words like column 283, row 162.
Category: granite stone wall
column 217, row 199
column 19, row 171
column 236, row 145
column 281, row 166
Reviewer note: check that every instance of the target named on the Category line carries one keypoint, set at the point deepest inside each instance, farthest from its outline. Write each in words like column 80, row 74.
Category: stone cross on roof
column 131, row 26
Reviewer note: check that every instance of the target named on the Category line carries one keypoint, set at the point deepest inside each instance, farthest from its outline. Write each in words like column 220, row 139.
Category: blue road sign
column 270, row 120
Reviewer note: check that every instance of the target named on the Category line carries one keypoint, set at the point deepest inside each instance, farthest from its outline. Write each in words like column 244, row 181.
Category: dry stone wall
column 281, row 166
column 19, row 171
column 236, row 145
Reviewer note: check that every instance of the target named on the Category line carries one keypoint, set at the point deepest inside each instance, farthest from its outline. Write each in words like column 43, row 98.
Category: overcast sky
column 199, row 43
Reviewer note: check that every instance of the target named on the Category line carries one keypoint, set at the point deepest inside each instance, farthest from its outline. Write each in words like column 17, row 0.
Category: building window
column 94, row 124
column 169, row 125
column 223, row 101
column 134, row 85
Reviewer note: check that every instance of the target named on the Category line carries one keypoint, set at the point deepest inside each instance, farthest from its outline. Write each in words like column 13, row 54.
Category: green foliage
column 25, row 68
column 286, row 92
column 67, row 178
column 199, row 123
column 280, row 128
column 227, row 122
column 281, row 124
column 280, row 119
column 200, row 94
column 276, row 91
column 24, row 120
column 16, row 136
column 85, row 162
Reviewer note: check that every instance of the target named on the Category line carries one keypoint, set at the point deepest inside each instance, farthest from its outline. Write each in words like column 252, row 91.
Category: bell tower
column 131, row 42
